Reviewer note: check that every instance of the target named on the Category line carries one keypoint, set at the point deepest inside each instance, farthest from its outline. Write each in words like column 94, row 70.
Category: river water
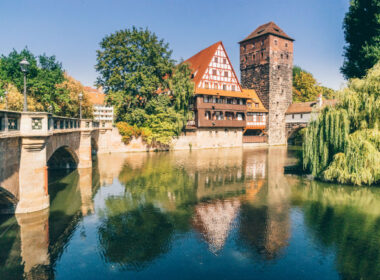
column 207, row 214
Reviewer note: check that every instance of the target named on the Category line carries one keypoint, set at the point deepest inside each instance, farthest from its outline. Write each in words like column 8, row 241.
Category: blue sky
column 72, row 29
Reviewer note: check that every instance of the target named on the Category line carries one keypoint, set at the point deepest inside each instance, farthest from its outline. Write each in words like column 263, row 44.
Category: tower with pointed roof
column 266, row 65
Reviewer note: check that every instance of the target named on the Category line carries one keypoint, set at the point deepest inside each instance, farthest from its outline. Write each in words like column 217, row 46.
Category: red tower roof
column 268, row 28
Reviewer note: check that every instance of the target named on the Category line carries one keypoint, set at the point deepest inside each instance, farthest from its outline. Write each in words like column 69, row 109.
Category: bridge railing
column 40, row 123
column 9, row 122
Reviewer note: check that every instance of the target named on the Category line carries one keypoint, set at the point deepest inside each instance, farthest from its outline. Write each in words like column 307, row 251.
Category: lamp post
column 80, row 104
column 24, row 65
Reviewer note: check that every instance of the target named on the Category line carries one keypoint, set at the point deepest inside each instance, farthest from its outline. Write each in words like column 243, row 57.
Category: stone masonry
column 266, row 64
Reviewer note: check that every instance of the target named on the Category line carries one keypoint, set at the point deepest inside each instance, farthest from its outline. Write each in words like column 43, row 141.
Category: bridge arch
column 293, row 133
column 63, row 158
column 7, row 200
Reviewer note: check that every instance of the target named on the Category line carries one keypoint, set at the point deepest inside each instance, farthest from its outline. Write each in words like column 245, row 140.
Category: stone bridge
column 32, row 142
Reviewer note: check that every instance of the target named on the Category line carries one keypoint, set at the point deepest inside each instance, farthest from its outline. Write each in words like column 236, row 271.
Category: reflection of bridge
column 30, row 142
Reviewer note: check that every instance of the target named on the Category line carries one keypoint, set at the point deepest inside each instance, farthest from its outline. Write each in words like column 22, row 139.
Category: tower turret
column 266, row 65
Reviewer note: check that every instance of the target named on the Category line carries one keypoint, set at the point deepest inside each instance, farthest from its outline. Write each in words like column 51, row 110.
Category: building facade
column 266, row 65
column 102, row 113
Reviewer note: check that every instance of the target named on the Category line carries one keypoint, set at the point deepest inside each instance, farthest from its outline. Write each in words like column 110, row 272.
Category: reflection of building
column 214, row 219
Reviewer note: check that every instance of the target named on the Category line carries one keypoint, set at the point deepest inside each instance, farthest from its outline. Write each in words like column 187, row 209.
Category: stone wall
column 110, row 140
column 10, row 152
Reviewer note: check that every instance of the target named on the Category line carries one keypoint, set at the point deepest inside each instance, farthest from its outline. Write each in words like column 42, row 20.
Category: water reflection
column 168, row 213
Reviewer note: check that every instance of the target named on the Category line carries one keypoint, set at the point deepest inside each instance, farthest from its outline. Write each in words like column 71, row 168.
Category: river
column 206, row 214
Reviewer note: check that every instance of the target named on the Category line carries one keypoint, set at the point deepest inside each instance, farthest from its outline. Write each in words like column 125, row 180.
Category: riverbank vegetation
column 148, row 91
column 49, row 88
column 343, row 143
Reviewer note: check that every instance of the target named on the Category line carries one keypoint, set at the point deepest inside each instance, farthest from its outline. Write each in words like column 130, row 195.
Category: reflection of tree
column 347, row 220
column 134, row 238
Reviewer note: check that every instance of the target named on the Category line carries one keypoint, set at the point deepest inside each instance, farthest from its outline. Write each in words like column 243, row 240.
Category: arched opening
column 7, row 202
column 296, row 137
column 63, row 158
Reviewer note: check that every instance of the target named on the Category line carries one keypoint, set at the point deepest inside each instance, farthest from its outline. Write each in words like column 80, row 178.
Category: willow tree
column 343, row 143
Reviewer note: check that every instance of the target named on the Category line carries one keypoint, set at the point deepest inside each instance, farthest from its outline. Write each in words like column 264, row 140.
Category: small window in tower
column 282, row 56
column 286, row 45
column 233, row 88
column 225, row 73
column 224, row 61
column 253, row 57
column 262, row 54
column 278, row 67
column 275, row 42
column 214, row 72
column 262, row 43
column 277, row 103
column 215, row 59
column 287, row 56
column 224, row 87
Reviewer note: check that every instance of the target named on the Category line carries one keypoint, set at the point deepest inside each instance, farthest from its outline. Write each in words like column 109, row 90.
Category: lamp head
column 24, row 64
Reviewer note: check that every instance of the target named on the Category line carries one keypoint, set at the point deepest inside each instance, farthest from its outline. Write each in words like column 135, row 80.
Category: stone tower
column 266, row 65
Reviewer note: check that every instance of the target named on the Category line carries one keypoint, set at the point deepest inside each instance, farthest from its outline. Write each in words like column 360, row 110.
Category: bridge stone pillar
column 33, row 180
column 34, row 235
column 84, row 154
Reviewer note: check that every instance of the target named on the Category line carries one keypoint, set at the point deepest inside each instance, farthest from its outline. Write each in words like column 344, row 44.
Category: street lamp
column 80, row 104
column 24, row 65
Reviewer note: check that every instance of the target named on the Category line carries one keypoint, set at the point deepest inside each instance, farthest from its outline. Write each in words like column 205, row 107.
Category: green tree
column 132, row 64
column 343, row 143
column 362, row 33
column 306, row 88
column 43, row 75
column 144, row 85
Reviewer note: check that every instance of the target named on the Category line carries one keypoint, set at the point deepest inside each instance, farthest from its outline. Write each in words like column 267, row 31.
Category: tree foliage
column 306, row 88
column 48, row 87
column 143, row 84
column 343, row 143
column 362, row 33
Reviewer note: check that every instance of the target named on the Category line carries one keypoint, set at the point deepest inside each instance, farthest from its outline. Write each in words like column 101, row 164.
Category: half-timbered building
column 220, row 101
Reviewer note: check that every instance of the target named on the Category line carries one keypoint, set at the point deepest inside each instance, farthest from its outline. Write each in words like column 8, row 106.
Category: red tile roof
column 308, row 107
column 268, row 28
column 95, row 96
column 199, row 62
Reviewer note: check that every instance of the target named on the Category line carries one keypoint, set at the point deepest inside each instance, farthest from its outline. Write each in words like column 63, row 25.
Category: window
column 278, row 67
column 219, row 115
column 206, row 84
column 275, row 42
column 256, row 105
column 205, row 99
column 253, row 57
column 253, row 45
column 233, row 88
column 262, row 43
column 224, row 87
column 207, row 115
column 292, row 116
column 229, row 100
column 262, row 54
column 215, row 59
column 287, row 56
column 282, row 56
column 225, row 73
column 216, row 85
column 286, row 45
column 224, row 61
column 214, row 72
column 240, row 116
column 301, row 116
